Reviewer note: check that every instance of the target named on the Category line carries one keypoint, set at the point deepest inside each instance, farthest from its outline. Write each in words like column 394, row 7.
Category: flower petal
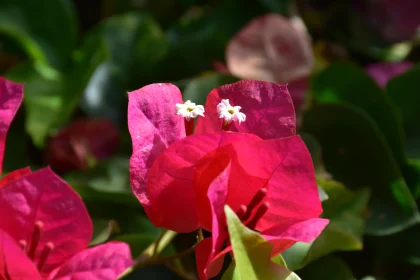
column 170, row 188
column 270, row 48
column 14, row 175
column 268, row 108
column 208, row 265
column 383, row 72
column 153, row 126
column 11, row 95
column 283, row 166
column 105, row 262
column 240, row 186
column 292, row 187
column 14, row 264
column 288, row 232
column 43, row 196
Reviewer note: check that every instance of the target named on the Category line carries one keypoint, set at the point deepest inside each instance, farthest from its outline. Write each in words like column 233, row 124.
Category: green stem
column 161, row 242
column 200, row 234
column 156, row 260
column 157, row 242
column 160, row 260
column 151, row 252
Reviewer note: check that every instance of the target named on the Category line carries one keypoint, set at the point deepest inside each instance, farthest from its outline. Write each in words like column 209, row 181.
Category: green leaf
column 197, row 89
column 416, row 276
column 345, row 83
column 355, row 153
column 46, row 29
column 17, row 143
column 279, row 260
column 400, row 248
column 327, row 268
column 107, row 181
column 274, row 6
column 316, row 153
column 110, row 175
column 252, row 253
column 345, row 210
column 129, row 219
column 200, row 36
column 50, row 101
column 102, row 231
column 403, row 91
column 138, row 242
column 231, row 273
column 135, row 45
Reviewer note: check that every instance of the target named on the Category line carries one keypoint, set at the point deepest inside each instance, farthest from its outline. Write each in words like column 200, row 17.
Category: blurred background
column 351, row 67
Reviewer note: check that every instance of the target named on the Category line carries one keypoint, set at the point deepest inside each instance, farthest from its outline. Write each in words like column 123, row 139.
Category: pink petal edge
column 268, row 108
column 153, row 126
column 284, row 235
column 11, row 95
column 106, row 262
column 384, row 71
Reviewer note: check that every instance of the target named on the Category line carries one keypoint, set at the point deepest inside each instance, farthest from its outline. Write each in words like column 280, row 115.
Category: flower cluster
column 258, row 167
column 45, row 228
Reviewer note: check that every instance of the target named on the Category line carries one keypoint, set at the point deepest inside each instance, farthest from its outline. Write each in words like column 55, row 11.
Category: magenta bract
column 154, row 126
column 44, row 226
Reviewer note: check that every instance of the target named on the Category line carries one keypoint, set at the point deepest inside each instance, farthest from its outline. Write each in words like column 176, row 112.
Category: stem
column 154, row 261
column 189, row 127
column 200, row 234
column 156, row 243
column 226, row 125
column 151, row 252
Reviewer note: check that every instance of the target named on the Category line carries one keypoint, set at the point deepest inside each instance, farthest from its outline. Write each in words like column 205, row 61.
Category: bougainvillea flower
column 71, row 147
column 384, row 71
column 51, row 225
column 45, row 227
column 269, row 183
column 274, row 193
column 154, row 126
column 272, row 48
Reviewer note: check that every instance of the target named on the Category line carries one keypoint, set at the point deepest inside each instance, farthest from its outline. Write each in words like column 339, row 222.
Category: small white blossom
column 189, row 110
column 230, row 113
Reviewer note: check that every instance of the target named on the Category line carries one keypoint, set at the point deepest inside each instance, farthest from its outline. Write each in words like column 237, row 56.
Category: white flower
column 230, row 113
column 189, row 110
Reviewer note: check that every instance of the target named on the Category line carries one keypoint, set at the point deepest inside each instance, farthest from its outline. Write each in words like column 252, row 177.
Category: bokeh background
column 352, row 73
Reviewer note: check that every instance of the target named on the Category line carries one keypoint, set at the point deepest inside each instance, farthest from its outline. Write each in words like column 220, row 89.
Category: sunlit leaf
column 252, row 253
column 102, row 230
